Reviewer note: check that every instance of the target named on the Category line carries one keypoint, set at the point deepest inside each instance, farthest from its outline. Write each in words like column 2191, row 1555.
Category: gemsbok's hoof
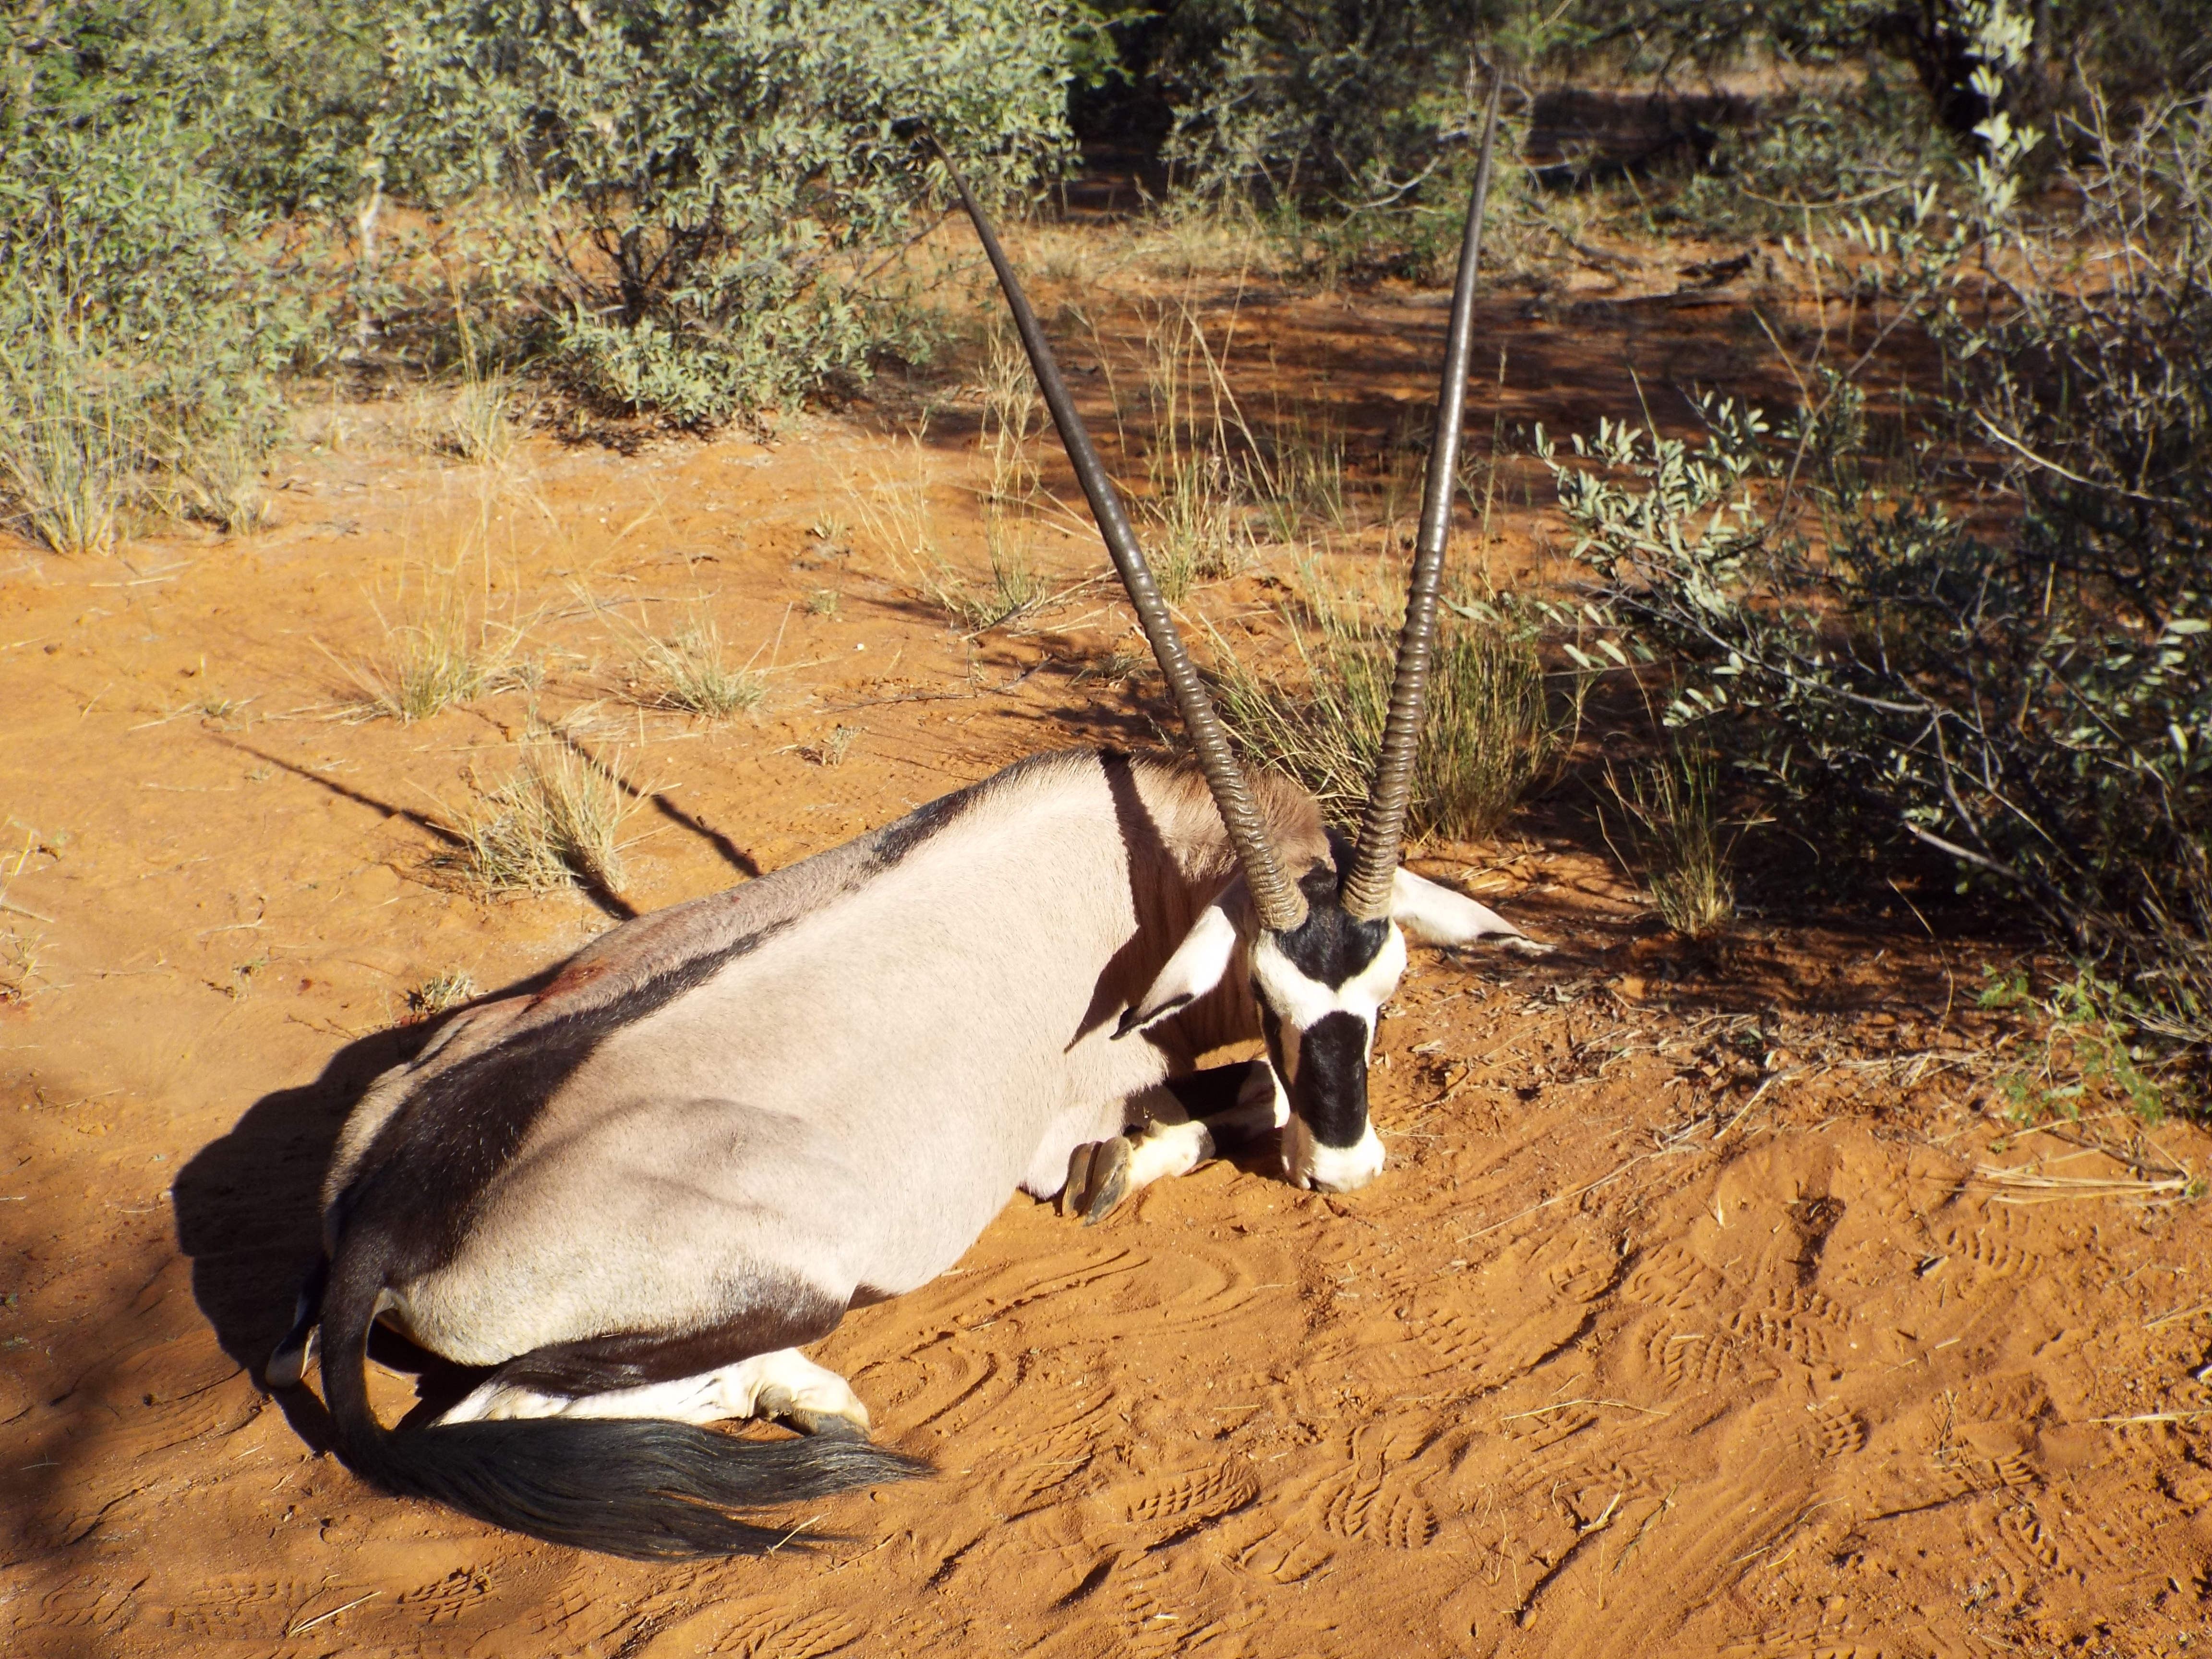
column 825, row 1425
column 1098, row 1179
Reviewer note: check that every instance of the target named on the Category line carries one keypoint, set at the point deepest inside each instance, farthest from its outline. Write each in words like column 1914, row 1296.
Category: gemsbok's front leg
column 1222, row 1106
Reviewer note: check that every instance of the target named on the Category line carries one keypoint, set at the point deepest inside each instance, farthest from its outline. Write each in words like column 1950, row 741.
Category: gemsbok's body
column 632, row 1196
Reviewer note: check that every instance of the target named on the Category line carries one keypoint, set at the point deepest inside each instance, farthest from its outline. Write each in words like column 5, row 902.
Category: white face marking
column 1301, row 1002
column 1343, row 1168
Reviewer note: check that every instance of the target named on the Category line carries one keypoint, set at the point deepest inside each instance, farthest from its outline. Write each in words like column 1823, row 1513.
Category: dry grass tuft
column 1674, row 814
column 1013, row 590
column 429, row 665
column 441, row 993
column 66, row 469
column 687, row 672
column 1197, row 509
column 555, row 823
column 478, row 425
column 20, row 960
column 832, row 746
column 219, row 481
column 1491, row 731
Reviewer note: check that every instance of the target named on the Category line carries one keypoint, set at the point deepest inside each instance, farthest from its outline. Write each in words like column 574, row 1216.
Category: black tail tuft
column 647, row 1489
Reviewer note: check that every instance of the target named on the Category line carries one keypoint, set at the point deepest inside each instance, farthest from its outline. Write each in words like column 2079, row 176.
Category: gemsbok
column 634, row 1195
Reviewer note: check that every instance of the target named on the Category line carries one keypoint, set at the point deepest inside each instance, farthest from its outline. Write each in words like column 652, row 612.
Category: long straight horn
column 1366, row 891
column 1281, row 906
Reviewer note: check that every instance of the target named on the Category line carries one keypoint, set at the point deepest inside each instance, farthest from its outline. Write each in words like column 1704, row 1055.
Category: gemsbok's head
column 1324, row 946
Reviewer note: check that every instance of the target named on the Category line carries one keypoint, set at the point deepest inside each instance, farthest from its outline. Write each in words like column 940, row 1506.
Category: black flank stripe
column 428, row 1167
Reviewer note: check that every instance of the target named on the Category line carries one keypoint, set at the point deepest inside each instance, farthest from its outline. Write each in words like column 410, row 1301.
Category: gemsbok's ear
column 1199, row 962
column 1432, row 914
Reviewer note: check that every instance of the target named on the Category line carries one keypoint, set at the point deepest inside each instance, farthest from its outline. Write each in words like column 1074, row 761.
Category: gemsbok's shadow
column 249, row 1206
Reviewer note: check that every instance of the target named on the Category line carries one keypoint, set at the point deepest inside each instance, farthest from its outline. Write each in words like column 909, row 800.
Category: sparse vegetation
column 1199, row 458
column 478, row 422
column 832, row 746
column 2027, row 697
column 442, row 993
column 1013, row 590
column 430, row 664
column 19, row 971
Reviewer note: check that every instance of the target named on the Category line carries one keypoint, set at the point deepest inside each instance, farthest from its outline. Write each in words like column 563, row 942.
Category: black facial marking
column 1271, row 1028
column 1131, row 1019
column 1329, row 1093
column 426, row 1172
column 779, row 1311
column 1329, row 946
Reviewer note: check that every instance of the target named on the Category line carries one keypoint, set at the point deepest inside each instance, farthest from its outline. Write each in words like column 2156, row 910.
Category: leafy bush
column 144, row 308
column 2031, row 698
column 694, row 206
column 1819, row 146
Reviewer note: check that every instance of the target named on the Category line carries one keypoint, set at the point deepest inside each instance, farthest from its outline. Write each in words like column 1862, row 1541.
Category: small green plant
column 441, row 993
column 832, row 746
column 2091, row 1048
column 1014, row 589
column 555, row 823
column 1491, row 733
column 823, row 602
column 1674, row 813
column 687, row 672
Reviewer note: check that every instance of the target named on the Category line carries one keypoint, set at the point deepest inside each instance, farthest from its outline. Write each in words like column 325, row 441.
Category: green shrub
column 2030, row 698
column 696, row 206
column 145, row 309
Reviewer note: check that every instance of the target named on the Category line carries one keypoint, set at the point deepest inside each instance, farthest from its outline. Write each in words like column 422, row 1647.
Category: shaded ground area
column 1708, row 1305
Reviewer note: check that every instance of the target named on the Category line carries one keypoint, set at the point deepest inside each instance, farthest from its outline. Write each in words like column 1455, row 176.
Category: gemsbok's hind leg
column 783, row 1385
column 1226, row 1105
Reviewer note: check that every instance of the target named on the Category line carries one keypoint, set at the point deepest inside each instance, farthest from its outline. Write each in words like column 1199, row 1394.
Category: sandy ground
column 1707, row 1306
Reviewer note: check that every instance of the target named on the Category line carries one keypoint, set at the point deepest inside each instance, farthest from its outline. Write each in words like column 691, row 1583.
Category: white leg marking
column 791, row 1383
column 1168, row 1149
column 768, row 1384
